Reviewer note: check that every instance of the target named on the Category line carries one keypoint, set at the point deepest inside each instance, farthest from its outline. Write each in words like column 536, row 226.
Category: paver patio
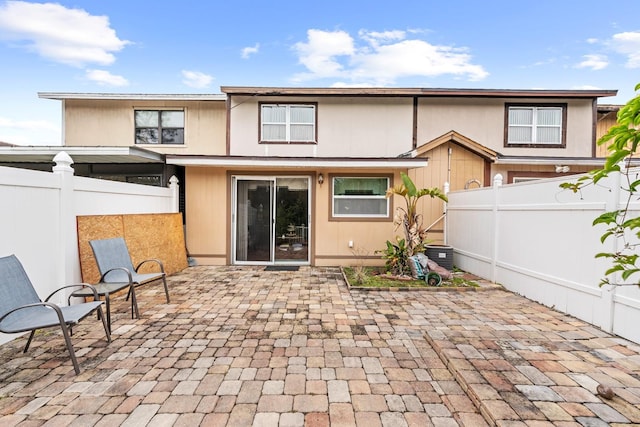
column 242, row 346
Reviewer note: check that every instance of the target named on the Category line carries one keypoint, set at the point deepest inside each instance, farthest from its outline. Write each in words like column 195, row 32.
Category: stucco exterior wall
column 332, row 236
column 111, row 123
column 483, row 121
column 208, row 219
column 346, row 127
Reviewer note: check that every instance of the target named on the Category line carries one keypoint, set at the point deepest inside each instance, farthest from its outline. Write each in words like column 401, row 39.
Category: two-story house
column 299, row 175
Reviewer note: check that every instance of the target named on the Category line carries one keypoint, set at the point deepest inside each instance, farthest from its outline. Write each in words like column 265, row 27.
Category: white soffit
column 306, row 163
column 549, row 161
column 36, row 154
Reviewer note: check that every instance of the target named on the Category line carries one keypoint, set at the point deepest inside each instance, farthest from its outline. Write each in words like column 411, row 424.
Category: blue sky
column 196, row 46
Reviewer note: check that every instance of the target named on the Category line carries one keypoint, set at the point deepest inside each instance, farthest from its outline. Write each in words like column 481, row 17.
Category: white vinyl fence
column 538, row 240
column 38, row 217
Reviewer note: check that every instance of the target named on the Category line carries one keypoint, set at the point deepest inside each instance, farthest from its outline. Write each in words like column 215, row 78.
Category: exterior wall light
column 320, row 179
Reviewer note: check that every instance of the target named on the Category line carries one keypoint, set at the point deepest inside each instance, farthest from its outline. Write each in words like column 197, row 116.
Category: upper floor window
column 536, row 125
column 159, row 126
column 361, row 197
column 288, row 123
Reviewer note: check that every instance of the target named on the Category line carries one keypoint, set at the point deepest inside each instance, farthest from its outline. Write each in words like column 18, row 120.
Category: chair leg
column 166, row 289
column 72, row 353
column 134, row 303
column 105, row 323
column 26, row 347
column 108, row 304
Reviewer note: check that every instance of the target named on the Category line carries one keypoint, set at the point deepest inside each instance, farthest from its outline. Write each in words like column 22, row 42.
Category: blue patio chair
column 115, row 266
column 21, row 309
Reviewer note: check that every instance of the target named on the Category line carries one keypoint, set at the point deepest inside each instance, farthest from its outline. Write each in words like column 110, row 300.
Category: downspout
column 64, row 126
column 414, row 132
column 449, row 165
column 447, row 187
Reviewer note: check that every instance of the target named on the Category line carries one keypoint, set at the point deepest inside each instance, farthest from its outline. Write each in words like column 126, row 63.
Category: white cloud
column 595, row 62
column 319, row 53
column 105, row 78
column 248, row 51
column 379, row 58
column 376, row 38
column 68, row 36
column 29, row 132
column 628, row 43
column 196, row 79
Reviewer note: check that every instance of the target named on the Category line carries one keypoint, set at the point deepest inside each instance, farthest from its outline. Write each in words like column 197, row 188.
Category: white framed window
column 159, row 126
column 360, row 197
column 530, row 125
column 288, row 123
column 518, row 179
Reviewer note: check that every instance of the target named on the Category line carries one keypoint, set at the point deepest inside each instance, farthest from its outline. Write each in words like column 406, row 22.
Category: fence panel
column 38, row 218
column 538, row 240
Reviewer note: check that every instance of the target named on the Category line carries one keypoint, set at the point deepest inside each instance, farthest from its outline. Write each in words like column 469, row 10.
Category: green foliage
column 408, row 217
column 396, row 257
column 623, row 140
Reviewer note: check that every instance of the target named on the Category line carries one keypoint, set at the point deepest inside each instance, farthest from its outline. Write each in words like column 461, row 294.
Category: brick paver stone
column 338, row 391
column 242, row 346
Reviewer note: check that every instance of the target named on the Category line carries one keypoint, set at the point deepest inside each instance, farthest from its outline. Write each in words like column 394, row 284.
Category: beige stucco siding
column 346, row 127
column 208, row 219
column 332, row 236
column 111, row 123
column 483, row 121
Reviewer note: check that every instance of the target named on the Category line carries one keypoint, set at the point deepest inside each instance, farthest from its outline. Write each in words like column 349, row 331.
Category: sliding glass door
column 271, row 220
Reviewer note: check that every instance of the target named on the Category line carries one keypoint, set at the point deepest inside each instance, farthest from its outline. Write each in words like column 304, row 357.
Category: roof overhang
column 133, row 96
column 296, row 162
column 432, row 92
column 35, row 154
column 568, row 161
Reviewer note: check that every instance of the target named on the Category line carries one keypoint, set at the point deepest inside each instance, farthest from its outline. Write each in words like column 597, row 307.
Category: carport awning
column 297, row 162
column 80, row 155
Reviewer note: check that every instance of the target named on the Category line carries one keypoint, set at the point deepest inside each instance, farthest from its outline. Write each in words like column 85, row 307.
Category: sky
column 196, row 46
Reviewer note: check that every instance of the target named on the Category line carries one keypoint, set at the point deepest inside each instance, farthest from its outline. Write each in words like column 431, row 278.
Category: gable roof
column 461, row 140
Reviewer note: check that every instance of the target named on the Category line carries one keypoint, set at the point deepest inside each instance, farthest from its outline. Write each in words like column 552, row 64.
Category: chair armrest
column 126, row 270
column 36, row 304
column 79, row 285
column 157, row 261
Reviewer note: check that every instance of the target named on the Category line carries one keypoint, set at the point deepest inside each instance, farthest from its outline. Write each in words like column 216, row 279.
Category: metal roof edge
column 388, row 91
column 133, row 96
column 518, row 160
column 52, row 150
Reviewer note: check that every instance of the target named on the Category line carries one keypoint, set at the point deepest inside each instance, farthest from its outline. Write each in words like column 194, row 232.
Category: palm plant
column 408, row 217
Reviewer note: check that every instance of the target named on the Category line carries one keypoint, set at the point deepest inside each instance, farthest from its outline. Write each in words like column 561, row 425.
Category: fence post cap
column 63, row 162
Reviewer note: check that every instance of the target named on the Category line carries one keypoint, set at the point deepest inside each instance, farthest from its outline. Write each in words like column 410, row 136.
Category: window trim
column 563, row 130
column 360, row 218
column 183, row 110
column 288, row 124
